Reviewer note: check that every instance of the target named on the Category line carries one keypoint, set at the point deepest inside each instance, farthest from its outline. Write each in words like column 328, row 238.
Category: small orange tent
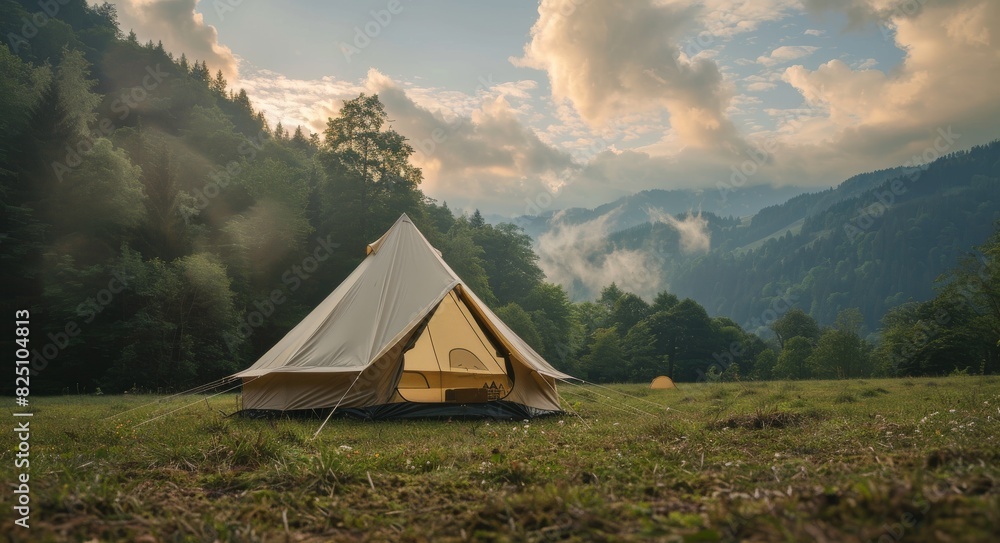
column 662, row 382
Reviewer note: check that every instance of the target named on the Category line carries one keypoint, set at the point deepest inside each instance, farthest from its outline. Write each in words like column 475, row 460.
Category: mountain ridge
column 846, row 246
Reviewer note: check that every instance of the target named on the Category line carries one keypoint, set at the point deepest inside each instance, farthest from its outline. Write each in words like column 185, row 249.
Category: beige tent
column 403, row 336
column 662, row 382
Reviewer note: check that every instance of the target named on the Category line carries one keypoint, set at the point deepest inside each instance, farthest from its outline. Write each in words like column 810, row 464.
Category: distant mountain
column 778, row 219
column 633, row 210
column 875, row 241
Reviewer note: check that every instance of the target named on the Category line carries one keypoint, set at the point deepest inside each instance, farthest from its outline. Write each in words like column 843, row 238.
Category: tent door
column 453, row 360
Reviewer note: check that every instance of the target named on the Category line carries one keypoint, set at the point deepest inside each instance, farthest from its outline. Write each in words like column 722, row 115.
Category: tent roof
column 400, row 282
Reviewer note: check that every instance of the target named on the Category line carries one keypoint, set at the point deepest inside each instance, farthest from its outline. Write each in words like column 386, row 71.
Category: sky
column 520, row 107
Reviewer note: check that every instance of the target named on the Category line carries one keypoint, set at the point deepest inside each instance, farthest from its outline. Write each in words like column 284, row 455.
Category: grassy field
column 876, row 460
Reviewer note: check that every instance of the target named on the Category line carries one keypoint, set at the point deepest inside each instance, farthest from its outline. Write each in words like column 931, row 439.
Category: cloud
column 611, row 175
column 947, row 79
column 760, row 86
column 786, row 53
column 629, row 109
column 726, row 18
column 579, row 257
column 613, row 59
column 693, row 230
column 859, row 12
column 472, row 149
column 296, row 102
column 814, row 32
column 948, row 76
column 488, row 156
column 180, row 27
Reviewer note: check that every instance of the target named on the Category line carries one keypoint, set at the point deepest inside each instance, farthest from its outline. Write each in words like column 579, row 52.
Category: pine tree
column 219, row 84
column 477, row 220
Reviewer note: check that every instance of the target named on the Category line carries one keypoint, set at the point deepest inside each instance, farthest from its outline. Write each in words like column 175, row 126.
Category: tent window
column 463, row 359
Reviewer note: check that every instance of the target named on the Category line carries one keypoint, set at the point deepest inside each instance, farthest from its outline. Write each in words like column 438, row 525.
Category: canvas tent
column 403, row 336
column 662, row 382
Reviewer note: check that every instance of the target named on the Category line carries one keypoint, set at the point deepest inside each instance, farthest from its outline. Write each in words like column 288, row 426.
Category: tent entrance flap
column 453, row 360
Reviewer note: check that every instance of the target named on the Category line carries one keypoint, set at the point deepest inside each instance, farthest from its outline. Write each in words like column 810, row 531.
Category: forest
column 163, row 234
column 874, row 242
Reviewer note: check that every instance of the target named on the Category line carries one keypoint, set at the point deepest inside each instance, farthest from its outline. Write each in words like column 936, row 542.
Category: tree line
column 956, row 331
column 163, row 235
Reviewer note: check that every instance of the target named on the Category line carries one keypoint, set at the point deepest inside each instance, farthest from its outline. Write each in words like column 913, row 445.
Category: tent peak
column 373, row 247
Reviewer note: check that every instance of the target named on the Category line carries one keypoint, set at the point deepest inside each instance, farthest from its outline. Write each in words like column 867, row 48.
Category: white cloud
column 726, row 18
column 948, row 77
column 814, row 32
column 611, row 175
column 489, row 155
column 578, row 254
column 786, row 53
column 760, row 86
column 862, row 119
column 580, row 257
column 693, row 230
column 180, row 27
column 612, row 59
column 472, row 149
column 861, row 12
column 296, row 102
column 866, row 64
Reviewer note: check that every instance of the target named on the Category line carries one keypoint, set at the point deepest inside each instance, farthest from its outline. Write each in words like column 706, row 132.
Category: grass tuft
column 845, row 396
column 873, row 392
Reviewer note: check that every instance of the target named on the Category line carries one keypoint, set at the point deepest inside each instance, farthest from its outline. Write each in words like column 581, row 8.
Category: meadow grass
column 874, row 460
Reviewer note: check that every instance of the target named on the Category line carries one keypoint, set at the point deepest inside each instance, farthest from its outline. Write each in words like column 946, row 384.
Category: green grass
column 829, row 460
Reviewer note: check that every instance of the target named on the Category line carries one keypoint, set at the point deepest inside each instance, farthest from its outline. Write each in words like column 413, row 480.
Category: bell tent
column 402, row 336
